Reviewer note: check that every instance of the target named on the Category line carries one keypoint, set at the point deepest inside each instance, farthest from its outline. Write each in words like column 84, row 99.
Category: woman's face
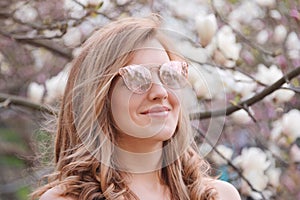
column 153, row 115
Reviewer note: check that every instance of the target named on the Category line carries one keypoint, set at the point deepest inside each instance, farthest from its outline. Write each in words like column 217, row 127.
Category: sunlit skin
column 145, row 120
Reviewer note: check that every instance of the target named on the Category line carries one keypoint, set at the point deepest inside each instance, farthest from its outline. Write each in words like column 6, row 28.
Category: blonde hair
column 85, row 130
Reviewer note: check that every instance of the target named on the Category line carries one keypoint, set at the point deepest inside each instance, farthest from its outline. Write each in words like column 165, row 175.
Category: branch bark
column 49, row 45
column 6, row 100
column 229, row 162
column 231, row 109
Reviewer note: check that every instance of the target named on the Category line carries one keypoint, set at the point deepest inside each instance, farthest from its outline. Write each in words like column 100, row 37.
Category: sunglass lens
column 172, row 74
column 137, row 78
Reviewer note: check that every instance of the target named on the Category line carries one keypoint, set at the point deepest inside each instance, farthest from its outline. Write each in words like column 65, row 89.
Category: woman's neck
column 138, row 163
column 148, row 186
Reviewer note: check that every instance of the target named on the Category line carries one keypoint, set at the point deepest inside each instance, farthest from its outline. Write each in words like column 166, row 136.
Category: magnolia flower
column 253, row 162
column 206, row 85
column 290, row 124
column 281, row 95
column 287, row 125
column 245, row 160
column 41, row 56
column 219, row 4
column 295, row 13
column 266, row 194
column 201, row 89
column 35, row 92
column 241, row 116
column 72, row 37
column 56, row 86
column 86, row 28
column 220, row 59
column 26, row 13
column 238, row 83
column 295, row 153
column 76, row 51
column 275, row 14
column 243, row 85
column 259, row 169
column 276, row 130
column 74, row 8
column 257, row 178
column 51, row 33
column 206, row 27
column 238, row 15
column 122, row 2
column 280, row 34
column 192, row 52
column 198, row 82
column 293, row 41
column 274, row 176
column 293, row 45
column 225, row 151
column 186, row 10
column 227, row 43
column 262, row 37
column 268, row 75
column 265, row 3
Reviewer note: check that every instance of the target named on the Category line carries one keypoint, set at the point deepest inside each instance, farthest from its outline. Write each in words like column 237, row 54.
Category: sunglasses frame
column 184, row 72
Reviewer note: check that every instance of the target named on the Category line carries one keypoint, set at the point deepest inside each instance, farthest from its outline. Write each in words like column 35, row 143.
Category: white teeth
column 158, row 114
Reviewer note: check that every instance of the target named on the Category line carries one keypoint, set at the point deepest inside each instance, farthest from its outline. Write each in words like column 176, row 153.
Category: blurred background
column 245, row 72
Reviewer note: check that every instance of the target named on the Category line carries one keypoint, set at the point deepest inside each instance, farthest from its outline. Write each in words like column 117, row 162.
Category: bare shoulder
column 226, row 190
column 54, row 193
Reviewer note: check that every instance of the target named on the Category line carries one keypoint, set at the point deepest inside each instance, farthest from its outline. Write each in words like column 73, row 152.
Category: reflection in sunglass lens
column 171, row 74
column 139, row 79
column 136, row 77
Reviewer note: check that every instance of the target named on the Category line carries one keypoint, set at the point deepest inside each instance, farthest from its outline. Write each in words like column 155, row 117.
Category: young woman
column 123, row 131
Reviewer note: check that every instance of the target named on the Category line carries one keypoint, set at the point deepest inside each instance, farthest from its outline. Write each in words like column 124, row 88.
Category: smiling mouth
column 159, row 111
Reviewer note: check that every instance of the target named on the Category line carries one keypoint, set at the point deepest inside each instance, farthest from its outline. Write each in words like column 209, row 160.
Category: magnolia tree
column 245, row 67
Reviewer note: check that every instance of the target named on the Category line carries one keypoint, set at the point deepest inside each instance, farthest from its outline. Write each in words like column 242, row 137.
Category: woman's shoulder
column 226, row 190
column 55, row 193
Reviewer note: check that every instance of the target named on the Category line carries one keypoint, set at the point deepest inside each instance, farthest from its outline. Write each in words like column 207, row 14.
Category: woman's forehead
column 152, row 52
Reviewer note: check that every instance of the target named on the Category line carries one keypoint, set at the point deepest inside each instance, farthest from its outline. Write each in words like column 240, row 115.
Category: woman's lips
column 157, row 111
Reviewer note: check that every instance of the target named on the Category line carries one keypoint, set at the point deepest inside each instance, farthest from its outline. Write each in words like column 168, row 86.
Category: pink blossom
column 295, row 14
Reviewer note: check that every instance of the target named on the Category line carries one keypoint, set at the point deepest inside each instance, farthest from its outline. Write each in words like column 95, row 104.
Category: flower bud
column 206, row 28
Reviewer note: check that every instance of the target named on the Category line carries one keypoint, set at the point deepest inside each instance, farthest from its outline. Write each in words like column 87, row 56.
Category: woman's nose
column 157, row 91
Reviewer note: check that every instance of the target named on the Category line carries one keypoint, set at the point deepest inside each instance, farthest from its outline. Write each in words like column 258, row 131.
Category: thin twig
column 234, row 69
column 228, row 162
column 242, row 37
column 230, row 109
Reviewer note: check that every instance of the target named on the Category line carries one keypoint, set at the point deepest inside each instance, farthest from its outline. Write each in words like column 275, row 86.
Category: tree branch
column 229, row 162
column 49, row 45
column 242, row 37
column 6, row 100
column 230, row 109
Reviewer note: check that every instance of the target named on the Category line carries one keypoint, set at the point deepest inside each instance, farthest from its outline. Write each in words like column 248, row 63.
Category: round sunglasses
column 138, row 78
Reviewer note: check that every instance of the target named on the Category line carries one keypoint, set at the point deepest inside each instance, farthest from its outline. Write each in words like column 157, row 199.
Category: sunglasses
column 138, row 78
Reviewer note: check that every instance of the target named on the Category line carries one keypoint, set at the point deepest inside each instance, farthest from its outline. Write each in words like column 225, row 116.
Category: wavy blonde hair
column 85, row 131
